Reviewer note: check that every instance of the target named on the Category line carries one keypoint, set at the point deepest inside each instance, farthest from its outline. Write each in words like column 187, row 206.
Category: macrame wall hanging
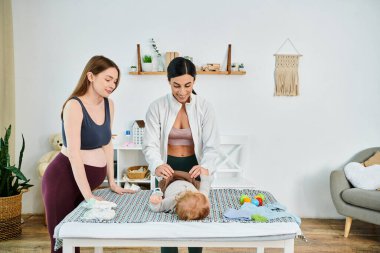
column 286, row 72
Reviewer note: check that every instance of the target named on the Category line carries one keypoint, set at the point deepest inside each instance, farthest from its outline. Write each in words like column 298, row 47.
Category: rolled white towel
column 99, row 204
column 99, row 210
column 99, row 214
column 367, row 178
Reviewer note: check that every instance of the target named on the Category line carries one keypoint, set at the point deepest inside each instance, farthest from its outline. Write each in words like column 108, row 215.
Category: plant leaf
column 21, row 152
column 25, row 187
column 7, row 135
column 12, row 180
column 17, row 172
column 25, row 183
column 2, row 153
column 15, row 185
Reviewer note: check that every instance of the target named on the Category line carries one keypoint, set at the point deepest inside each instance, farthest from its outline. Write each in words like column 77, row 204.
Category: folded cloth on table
column 269, row 211
column 99, row 214
column 99, row 204
column 99, row 210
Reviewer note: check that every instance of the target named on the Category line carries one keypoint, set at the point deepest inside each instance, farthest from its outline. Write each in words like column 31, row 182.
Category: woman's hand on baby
column 155, row 199
column 164, row 171
column 198, row 170
column 119, row 190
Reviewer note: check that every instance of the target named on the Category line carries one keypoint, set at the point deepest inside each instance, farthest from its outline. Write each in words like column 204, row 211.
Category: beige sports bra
column 181, row 137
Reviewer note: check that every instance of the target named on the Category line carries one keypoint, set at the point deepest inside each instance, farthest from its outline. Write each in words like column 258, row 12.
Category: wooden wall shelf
column 198, row 73
column 147, row 73
column 227, row 72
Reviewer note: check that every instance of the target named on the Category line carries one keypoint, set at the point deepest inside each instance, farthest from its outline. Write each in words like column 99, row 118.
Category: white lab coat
column 159, row 122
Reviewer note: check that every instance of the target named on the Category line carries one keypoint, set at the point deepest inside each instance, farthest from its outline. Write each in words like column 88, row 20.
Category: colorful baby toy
column 257, row 200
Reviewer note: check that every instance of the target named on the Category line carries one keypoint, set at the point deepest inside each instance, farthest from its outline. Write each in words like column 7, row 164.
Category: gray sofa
column 354, row 202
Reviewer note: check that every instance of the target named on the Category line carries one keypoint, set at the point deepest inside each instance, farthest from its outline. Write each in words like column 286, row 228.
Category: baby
column 184, row 195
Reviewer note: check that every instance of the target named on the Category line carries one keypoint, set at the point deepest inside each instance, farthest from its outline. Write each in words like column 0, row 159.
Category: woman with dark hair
column 180, row 130
column 87, row 155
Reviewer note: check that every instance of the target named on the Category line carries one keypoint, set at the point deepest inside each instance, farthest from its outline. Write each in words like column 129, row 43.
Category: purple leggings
column 61, row 193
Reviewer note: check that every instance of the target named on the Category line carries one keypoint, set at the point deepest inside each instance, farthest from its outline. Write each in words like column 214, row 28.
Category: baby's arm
column 205, row 184
column 157, row 204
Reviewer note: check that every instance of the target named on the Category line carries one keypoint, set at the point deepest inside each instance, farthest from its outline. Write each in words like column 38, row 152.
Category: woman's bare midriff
column 180, row 150
column 93, row 157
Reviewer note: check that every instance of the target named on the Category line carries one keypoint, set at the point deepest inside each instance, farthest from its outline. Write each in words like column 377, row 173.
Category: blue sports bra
column 93, row 136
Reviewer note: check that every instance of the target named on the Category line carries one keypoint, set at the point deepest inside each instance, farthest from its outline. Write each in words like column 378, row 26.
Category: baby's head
column 192, row 206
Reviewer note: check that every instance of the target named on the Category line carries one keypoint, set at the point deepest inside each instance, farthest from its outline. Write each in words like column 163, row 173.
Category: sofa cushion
column 367, row 178
column 363, row 198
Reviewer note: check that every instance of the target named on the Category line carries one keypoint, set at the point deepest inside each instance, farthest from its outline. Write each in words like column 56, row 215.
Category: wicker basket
column 10, row 217
column 136, row 175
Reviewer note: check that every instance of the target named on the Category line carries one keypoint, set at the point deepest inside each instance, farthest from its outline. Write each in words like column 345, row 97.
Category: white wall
column 295, row 142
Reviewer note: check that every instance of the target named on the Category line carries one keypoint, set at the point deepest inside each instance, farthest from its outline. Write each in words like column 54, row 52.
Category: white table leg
column 68, row 246
column 289, row 246
column 98, row 250
column 260, row 250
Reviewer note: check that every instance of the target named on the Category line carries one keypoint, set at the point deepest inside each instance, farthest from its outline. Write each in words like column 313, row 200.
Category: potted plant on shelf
column 13, row 184
column 133, row 68
column 241, row 67
column 233, row 67
column 147, row 63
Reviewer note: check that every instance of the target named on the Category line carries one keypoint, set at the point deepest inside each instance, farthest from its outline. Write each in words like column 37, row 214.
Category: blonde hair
column 95, row 65
column 192, row 206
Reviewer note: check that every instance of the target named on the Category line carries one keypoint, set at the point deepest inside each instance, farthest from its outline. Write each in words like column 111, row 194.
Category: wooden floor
column 322, row 236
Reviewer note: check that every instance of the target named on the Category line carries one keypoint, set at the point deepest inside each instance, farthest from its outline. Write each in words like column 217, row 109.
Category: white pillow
column 367, row 178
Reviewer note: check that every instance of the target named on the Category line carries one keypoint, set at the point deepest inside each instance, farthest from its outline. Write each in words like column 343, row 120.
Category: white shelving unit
column 127, row 157
column 232, row 163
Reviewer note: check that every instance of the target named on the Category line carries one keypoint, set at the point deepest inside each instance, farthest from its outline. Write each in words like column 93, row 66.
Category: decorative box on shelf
column 138, row 128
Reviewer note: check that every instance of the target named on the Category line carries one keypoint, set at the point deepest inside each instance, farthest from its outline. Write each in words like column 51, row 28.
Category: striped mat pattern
column 134, row 208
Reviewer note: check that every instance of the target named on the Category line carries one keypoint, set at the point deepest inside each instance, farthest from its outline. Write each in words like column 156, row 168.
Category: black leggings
column 61, row 193
column 182, row 164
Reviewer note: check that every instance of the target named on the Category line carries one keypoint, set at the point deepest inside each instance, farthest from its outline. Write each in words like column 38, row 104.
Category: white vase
column 154, row 64
column 160, row 64
column 147, row 67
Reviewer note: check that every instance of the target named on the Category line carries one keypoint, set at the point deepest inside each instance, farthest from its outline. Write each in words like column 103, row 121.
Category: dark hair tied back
column 180, row 66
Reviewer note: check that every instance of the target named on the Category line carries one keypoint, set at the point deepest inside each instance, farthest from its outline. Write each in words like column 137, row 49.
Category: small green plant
column 241, row 66
column 147, row 59
column 10, row 175
column 233, row 65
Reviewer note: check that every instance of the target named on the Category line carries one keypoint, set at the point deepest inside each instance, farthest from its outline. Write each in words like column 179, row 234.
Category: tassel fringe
column 286, row 75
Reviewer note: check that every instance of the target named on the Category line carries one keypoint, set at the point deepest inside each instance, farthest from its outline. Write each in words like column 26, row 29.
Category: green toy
column 244, row 198
column 259, row 218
